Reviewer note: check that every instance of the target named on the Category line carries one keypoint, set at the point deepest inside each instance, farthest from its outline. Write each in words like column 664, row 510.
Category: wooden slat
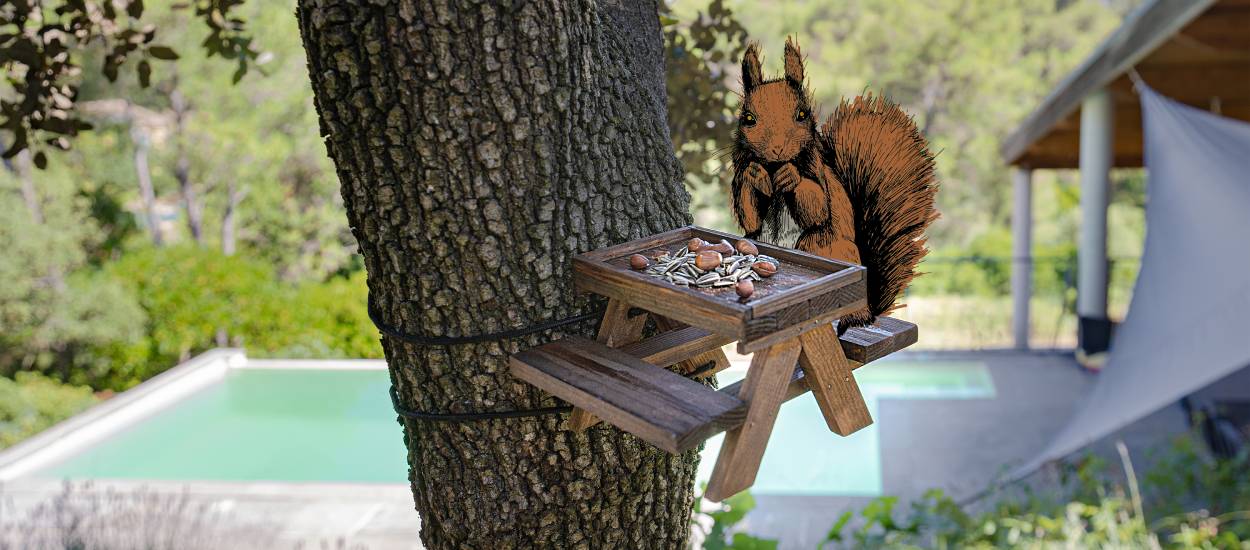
column 829, row 376
column 764, row 389
column 661, row 407
column 669, row 300
column 615, row 330
column 869, row 343
column 692, row 354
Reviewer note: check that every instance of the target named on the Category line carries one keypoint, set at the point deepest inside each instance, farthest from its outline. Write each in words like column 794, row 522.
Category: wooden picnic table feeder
column 624, row 379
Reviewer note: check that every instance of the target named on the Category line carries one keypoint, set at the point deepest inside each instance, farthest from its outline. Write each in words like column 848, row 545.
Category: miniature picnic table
column 624, row 379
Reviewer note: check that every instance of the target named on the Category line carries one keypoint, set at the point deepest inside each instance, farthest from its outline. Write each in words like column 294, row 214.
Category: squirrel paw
column 756, row 176
column 786, row 178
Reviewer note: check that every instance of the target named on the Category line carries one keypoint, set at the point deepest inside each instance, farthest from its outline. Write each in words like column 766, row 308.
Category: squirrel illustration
column 860, row 190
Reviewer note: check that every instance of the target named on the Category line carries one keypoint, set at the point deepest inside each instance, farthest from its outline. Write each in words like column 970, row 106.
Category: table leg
column 617, row 329
column 764, row 390
column 828, row 374
column 716, row 356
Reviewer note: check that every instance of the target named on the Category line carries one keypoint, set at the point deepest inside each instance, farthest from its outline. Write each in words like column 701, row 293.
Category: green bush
column 31, row 402
column 1186, row 501
column 196, row 298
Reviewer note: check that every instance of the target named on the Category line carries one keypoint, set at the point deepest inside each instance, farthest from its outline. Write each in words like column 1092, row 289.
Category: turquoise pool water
column 261, row 425
column 804, row 458
column 337, row 426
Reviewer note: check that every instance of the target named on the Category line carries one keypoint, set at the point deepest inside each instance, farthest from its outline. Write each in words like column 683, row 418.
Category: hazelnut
column 707, row 260
column 745, row 289
column 638, row 261
column 722, row 247
column 696, row 244
column 765, row 269
column 747, row 248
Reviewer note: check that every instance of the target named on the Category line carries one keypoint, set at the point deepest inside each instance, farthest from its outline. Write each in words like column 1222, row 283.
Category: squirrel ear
column 752, row 76
column 794, row 62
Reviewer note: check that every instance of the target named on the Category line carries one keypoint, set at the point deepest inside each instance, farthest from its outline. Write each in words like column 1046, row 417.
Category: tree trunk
column 22, row 167
column 182, row 169
column 479, row 148
column 234, row 196
column 146, row 193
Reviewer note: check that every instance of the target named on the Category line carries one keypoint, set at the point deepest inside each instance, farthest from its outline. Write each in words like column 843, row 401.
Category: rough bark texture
column 480, row 146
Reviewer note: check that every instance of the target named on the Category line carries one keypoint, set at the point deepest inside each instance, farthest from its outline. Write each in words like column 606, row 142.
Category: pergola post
column 1021, row 254
column 1097, row 135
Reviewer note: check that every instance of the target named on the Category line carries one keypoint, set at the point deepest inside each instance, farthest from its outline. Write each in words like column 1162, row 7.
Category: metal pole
column 1097, row 138
column 1021, row 254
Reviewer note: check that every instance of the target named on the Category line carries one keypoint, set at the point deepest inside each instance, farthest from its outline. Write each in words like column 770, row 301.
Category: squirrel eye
column 802, row 114
column 748, row 119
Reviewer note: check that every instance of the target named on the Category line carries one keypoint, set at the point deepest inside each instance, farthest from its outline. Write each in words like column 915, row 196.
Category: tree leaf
column 41, row 160
column 162, row 52
column 135, row 8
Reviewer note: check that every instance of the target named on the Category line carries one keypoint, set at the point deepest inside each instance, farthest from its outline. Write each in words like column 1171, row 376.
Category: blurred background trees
column 201, row 209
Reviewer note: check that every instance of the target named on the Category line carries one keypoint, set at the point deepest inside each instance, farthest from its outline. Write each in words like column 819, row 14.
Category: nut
column 696, row 244
column 723, row 247
column 638, row 261
column 707, row 260
column 745, row 289
column 747, row 248
column 765, row 269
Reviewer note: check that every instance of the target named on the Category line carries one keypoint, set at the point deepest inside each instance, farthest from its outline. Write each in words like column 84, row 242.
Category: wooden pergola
column 1193, row 51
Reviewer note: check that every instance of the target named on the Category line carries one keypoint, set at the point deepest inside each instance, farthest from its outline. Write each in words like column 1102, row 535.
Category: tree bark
column 146, row 192
column 234, row 196
column 182, row 168
column 480, row 147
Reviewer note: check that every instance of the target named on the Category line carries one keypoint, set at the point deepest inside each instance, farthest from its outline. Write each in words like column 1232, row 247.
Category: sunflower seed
column 709, row 278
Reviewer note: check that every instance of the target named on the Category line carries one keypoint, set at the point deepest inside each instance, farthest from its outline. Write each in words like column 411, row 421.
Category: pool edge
column 124, row 409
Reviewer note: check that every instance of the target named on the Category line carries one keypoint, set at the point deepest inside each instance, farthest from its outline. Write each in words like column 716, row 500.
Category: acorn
column 747, row 248
column 696, row 244
column 707, row 260
column 638, row 261
column 745, row 289
column 765, row 269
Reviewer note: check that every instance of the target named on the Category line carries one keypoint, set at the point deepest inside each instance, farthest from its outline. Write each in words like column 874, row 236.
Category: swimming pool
column 290, row 424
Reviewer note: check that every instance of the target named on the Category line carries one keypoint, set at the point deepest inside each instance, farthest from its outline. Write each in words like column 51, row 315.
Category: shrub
column 196, row 298
column 31, row 402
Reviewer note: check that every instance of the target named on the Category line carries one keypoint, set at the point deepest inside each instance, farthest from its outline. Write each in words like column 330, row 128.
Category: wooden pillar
column 1097, row 137
column 1021, row 254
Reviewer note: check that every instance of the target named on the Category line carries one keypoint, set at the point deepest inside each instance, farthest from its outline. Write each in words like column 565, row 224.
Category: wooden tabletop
column 807, row 292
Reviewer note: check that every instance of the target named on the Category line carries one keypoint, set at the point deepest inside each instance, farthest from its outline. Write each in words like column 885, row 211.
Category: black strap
column 469, row 417
column 422, row 340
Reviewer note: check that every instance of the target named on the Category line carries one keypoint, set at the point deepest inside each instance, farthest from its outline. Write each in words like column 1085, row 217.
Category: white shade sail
column 1189, row 321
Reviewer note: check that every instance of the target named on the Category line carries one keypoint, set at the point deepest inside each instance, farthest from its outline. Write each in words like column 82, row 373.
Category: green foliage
column 196, row 298
column 701, row 49
column 31, row 402
column 713, row 529
column 1200, row 504
column 43, row 43
column 53, row 306
column 1196, row 502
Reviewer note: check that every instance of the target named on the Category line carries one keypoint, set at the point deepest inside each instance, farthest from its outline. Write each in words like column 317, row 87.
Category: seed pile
column 706, row 265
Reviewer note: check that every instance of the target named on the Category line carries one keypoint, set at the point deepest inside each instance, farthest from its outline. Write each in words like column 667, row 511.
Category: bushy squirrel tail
column 884, row 163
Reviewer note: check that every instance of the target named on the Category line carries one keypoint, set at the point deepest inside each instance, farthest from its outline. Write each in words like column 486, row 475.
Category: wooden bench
column 630, row 388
